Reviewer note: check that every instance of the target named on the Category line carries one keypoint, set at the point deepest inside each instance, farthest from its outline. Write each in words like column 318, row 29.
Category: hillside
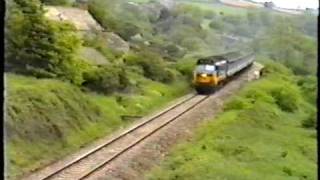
column 42, row 112
column 72, row 72
column 266, row 131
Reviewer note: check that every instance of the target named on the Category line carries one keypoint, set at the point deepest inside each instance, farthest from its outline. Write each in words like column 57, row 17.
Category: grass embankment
column 47, row 119
column 262, row 134
column 219, row 8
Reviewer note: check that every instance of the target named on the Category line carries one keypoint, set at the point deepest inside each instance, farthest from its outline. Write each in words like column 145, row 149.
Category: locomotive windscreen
column 210, row 60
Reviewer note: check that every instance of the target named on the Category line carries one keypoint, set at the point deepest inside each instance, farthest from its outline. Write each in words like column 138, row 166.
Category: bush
column 152, row 64
column 127, row 30
column 286, row 98
column 311, row 120
column 192, row 43
column 308, row 85
column 174, row 50
column 73, row 71
column 99, row 42
column 186, row 67
column 99, row 10
column 106, row 79
column 170, row 75
column 259, row 94
column 273, row 67
column 216, row 24
column 236, row 104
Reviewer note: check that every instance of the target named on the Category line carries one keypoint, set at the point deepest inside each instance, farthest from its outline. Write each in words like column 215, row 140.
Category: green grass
column 219, row 8
column 140, row 1
column 252, row 139
column 47, row 119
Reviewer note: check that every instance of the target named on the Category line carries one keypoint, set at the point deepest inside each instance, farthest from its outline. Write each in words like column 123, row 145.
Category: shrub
column 174, row 50
column 99, row 10
column 273, row 67
column 286, row 98
column 308, row 85
column 192, row 43
column 236, row 104
column 127, row 30
column 186, row 67
column 216, row 24
column 170, row 75
column 152, row 65
column 311, row 120
column 258, row 94
column 106, row 79
column 99, row 42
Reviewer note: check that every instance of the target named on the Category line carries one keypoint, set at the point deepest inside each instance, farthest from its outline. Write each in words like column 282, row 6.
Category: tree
column 38, row 46
column 283, row 42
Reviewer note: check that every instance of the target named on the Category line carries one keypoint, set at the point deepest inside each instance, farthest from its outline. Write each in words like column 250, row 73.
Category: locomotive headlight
column 203, row 75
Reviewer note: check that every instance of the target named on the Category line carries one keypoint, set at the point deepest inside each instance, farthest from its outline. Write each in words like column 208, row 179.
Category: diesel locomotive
column 214, row 71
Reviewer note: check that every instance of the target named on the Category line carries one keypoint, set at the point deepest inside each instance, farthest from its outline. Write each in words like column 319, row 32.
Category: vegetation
column 285, row 44
column 57, row 2
column 47, row 119
column 255, row 137
column 152, row 65
column 107, row 79
column 53, row 92
column 99, row 42
column 39, row 47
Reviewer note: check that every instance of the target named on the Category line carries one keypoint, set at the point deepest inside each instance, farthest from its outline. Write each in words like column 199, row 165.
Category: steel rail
column 103, row 164
column 115, row 139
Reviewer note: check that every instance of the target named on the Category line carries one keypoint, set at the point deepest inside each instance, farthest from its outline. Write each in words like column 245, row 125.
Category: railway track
column 86, row 165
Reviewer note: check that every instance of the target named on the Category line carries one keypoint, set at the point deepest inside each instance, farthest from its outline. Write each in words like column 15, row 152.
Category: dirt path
column 133, row 164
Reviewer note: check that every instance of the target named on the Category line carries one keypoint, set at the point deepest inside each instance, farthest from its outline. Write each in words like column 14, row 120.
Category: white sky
column 302, row 4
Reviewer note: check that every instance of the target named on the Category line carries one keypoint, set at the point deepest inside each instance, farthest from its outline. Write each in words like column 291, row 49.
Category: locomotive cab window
column 205, row 69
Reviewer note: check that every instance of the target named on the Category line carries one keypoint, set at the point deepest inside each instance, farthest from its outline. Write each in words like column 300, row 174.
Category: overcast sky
column 294, row 3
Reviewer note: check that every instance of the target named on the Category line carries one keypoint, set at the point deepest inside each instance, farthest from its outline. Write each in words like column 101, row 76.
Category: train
column 213, row 72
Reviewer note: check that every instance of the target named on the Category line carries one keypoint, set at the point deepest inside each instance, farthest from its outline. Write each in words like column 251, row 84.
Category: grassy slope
column 219, row 8
column 47, row 119
column 252, row 139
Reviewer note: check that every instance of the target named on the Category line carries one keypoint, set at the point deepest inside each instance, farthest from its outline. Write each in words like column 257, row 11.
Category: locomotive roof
column 210, row 60
column 216, row 58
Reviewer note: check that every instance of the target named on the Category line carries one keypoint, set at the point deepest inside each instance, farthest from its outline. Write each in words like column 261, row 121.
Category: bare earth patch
column 81, row 19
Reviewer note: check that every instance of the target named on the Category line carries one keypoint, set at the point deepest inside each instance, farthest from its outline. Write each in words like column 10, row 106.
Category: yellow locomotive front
column 205, row 78
column 209, row 73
